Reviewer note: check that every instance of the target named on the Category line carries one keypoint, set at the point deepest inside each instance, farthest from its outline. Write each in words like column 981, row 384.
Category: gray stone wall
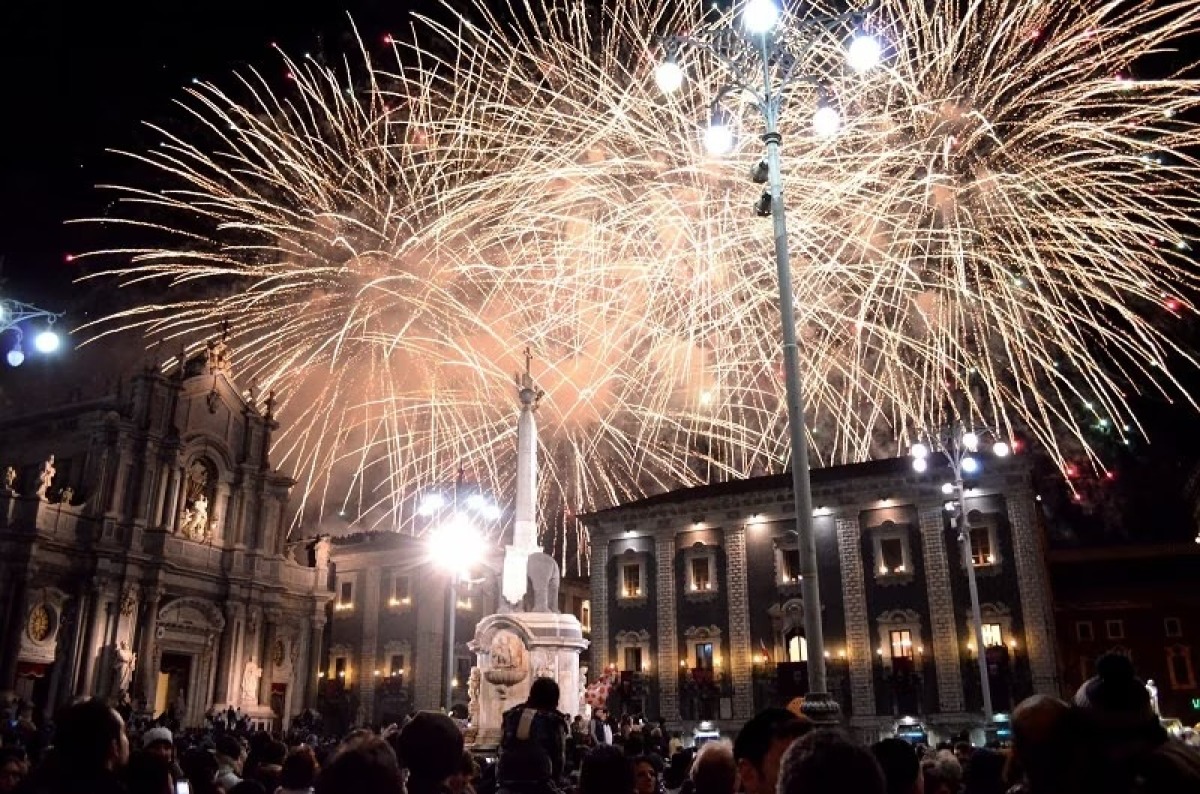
column 943, row 630
column 740, row 647
column 666, row 672
column 859, row 647
column 1034, row 587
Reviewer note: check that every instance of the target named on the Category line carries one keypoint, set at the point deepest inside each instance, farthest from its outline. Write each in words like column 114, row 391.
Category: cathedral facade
column 144, row 554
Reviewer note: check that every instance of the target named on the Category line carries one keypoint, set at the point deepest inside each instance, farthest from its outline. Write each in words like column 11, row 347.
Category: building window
column 893, row 558
column 347, row 594
column 585, row 614
column 789, row 565
column 1179, row 666
column 902, row 645
column 797, row 647
column 1115, row 629
column 341, row 670
column 631, row 580
column 462, row 670
column 1172, row 627
column 633, row 660
column 891, row 551
column 400, row 591
column 992, row 636
column 704, row 655
column 1084, row 631
column 981, row 547
column 397, row 668
column 701, row 573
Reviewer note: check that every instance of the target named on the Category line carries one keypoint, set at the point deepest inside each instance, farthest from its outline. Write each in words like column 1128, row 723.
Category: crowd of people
column 1108, row 740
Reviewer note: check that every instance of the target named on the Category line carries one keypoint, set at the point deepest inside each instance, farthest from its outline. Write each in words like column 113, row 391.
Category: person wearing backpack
column 537, row 723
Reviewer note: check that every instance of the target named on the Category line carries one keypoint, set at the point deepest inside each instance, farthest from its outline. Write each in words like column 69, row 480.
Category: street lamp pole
column 14, row 314
column 760, row 17
column 451, row 615
column 964, row 543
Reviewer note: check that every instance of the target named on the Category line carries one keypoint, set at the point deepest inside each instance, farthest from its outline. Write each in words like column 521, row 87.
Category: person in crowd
column 159, row 741
column 984, row 773
column 1120, row 726
column 942, row 773
column 430, row 747
column 539, row 722
column 761, row 743
column 468, row 770
column 230, row 756
column 200, row 770
column 646, row 774
column 901, row 769
column 677, row 771
column 1045, row 753
column 524, row 769
column 606, row 770
column 963, row 751
column 269, row 769
column 714, row 770
column 90, row 750
column 13, row 769
column 299, row 773
column 829, row 762
column 364, row 765
column 600, row 728
column 148, row 773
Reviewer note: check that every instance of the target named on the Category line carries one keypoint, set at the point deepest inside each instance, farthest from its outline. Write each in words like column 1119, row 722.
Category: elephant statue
column 543, row 574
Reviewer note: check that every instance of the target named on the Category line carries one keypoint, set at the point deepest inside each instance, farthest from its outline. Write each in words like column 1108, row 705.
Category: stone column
column 220, row 509
column 270, row 632
column 160, row 497
column 740, row 646
column 92, row 661
column 942, row 622
column 116, row 502
column 83, row 613
column 1037, row 608
column 224, row 656
column 171, row 504
column 859, row 648
column 315, row 663
column 668, row 634
column 370, row 639
column 599, row 576
column 147, row 665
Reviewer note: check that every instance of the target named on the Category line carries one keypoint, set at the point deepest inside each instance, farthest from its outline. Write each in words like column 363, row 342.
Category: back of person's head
column 898, row 760
column 273, row 753
column 229, row 747
column 200, row 767
column 1116, row 702
column 147, row 773
column 606, row 770
column 89, row 737
column 754, row 740
column 828, row 762
column 714, row 771
column 523, row 762
column 1043, row 737
column 635, row 745
column 984, row 773
column 299, row 769
column 364, row 766
column 430, row 747
column 543, row 694
column 941, row 771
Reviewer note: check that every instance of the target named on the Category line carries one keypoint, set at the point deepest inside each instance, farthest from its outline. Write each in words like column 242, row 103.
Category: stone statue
column 543, row 573
column 10, row 479
column 45, row 478
column 250, row 677
column 1152, row 691
column 66, row 495
column 217, row 357
column 128, row 601
column 193, row 523
column 321, row 551
column 126, row 662
column 473, row 695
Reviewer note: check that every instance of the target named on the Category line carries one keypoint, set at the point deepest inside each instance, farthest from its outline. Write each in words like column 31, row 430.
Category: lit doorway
column 174, row 676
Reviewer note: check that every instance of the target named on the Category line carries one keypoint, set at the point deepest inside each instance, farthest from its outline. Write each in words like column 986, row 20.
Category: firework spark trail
column 385, row 240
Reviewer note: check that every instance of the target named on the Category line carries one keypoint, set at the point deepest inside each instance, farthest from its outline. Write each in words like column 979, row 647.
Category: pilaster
column 315, row 660
column 147, row 667
column 370, row 639
column 740, row 649
column 859, row 651
column 668, row 635
column 942, row 627
column 599, row 583
column 1036, row 606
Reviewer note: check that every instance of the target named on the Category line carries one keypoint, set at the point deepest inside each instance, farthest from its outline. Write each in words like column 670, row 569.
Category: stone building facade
column 143, row 553
column 386, row 636
column 696, row 600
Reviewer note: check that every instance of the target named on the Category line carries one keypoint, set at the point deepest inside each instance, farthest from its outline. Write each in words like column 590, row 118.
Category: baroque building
column 143, row 553
column 696, row 602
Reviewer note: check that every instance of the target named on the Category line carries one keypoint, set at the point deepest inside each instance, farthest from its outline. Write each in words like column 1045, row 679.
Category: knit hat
column 429, row 746
column 1115, row 697
column 156, row 735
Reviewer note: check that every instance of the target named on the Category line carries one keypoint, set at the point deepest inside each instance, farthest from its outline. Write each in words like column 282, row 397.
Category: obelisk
column 525, row 536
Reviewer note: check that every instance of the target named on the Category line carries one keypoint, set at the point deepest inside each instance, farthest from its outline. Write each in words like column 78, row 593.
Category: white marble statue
column 66, row 495
column 45, row 478
column 250, row 677
column 194, row 521
column 126, row 662
column 321, row 551
column 10, row 479
column 1152, row 691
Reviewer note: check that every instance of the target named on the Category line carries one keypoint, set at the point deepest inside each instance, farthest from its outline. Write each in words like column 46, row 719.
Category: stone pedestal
column 510, row 651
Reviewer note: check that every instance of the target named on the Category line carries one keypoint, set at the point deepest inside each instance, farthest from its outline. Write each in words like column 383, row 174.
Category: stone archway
column 187, row 633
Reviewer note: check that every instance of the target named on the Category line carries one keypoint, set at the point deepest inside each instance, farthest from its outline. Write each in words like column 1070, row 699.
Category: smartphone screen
column 183, row 787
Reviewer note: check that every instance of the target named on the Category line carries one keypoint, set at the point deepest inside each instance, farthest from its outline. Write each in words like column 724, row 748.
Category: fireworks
column 1000, row 217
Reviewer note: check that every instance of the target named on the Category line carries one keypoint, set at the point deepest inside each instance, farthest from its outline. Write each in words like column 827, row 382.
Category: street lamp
column 455, row 543
column 14, row 315
column 962, row 447
column 759, row 64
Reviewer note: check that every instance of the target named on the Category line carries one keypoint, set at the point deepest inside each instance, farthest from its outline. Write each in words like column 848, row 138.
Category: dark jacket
column 524, row 727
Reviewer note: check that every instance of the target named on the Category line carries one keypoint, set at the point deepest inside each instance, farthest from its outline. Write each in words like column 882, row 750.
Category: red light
column 1072, row 470
column 1017, row 446
column 1110, row 476
column 1173, row 305
column 69, row 257
column 291, row 76
column 387, row 38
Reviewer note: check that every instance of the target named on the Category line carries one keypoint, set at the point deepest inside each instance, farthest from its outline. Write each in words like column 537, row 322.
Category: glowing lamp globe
column 970, row 441
column 947, row 488
column 827, row 121
column 668, row 76
column 919, row 451
column 16, row 357
column 718, row 139
column 46, row 342
column 970, row 465
column 864, row 53
column 759, row 16
column 920, row 465
column 1001, row 450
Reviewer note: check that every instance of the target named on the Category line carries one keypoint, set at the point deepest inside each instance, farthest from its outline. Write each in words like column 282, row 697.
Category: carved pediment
column 195, row 614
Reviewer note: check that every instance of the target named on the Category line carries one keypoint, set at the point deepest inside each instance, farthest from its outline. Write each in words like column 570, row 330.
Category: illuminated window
column 891, row 551
column 1179, row 666
column 400, row 590
column 585, row 614
column 633, row 659
column 347, row 593
column 340, row 668
column 893, row 557
column 902, row 644
column 992, row 635
column 631, row 580
column 397, row 668
column 789, row 567
column 704, row 655
column 797, row 647
column 701, row 573
column 981, row 546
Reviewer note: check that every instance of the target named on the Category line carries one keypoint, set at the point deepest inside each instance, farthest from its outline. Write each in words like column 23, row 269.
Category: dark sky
column 78, row 76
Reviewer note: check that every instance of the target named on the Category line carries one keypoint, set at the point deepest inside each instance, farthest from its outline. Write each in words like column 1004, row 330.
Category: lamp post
column 961, row 447
column 455, row 544
column 14, row 314
column 758, row 63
